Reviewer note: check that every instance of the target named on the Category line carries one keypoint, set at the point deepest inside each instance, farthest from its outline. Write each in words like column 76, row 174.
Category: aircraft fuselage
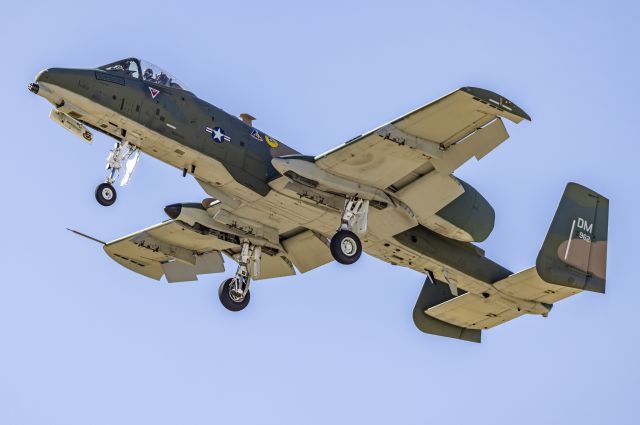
column 168, row 123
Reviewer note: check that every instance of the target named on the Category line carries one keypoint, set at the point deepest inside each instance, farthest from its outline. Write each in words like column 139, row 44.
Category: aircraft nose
column 42, row 75
column 54, row 73
column 62, row 77
column 173, row 210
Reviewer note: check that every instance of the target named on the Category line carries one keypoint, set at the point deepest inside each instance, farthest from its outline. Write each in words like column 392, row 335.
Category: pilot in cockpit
column 163, row 79
column 126, row 67
column 148, row 75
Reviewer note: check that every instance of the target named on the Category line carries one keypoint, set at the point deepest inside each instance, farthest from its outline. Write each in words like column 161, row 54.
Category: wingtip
column 498, row 100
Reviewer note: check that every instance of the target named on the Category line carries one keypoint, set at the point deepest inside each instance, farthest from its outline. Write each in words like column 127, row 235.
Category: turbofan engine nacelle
column 469, row 218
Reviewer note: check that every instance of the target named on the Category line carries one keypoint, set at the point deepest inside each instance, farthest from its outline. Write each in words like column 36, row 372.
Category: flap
column 178, row 271
column 442, row 189
column 307, row 251
column 277, row 265
column 477, row 144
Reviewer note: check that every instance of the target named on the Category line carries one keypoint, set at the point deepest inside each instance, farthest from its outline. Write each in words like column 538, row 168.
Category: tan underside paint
column 283, row 209
column 476, row 312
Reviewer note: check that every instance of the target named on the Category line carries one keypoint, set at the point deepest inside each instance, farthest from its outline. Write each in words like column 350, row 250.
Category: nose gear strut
column 122, row 151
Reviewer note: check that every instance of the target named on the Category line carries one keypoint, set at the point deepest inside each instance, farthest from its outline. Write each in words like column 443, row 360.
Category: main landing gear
column 345, row 245
column 234, row 292
column 122, row 151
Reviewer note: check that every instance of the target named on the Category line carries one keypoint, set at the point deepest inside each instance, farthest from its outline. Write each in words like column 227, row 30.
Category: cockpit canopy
column 141, row 69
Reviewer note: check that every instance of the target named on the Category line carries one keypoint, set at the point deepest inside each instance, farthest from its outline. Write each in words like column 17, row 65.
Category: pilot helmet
column 148, row 74
column 163, row 78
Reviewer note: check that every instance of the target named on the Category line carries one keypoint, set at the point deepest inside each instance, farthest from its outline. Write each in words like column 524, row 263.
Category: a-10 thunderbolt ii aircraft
column 389, row 192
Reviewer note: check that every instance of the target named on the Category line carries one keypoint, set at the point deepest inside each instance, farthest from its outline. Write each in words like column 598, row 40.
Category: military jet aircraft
column 389, row 192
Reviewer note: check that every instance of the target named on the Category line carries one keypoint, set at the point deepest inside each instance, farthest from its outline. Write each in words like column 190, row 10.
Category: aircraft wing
column 170, row 249
column 175, row 250
column 441, row 135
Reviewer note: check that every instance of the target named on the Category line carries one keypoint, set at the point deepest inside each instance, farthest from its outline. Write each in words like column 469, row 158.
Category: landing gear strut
column 345, row 245
column 122, row 151
column 234, row 292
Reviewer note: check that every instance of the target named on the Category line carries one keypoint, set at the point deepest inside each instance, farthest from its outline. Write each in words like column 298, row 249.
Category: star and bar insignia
column 217, row 134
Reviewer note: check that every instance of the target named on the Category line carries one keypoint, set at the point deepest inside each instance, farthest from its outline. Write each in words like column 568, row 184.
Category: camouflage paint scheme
column 248, row 162
column 577, row 258
column 573, row 254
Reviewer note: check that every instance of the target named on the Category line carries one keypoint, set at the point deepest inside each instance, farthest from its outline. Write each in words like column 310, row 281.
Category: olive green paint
column 582, row 214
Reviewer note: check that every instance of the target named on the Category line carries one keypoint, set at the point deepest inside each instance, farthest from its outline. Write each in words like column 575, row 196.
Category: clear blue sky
column 85, row 341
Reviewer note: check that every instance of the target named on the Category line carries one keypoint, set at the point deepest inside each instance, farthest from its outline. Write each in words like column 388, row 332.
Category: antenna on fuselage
column 247, row 119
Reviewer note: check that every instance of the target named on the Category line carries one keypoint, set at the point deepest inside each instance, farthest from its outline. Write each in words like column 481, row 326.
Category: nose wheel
column 122, row 152
column 105, row 194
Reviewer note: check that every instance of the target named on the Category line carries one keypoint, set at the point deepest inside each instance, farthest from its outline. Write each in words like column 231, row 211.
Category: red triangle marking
column 154, row 92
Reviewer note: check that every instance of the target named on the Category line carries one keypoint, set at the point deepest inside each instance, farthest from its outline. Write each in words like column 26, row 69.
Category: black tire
column 228, row 302
column 105, row 194
column 345, row 247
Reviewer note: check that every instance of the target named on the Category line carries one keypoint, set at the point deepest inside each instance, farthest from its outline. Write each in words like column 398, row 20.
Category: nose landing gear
column 105, row 194
column 345, row 245
column 122, row 151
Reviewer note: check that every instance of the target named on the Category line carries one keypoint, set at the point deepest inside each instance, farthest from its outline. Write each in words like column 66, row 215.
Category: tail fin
column 574, row 253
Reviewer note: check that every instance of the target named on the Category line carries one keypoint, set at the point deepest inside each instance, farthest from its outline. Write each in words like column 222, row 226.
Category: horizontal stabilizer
column 432, row 294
